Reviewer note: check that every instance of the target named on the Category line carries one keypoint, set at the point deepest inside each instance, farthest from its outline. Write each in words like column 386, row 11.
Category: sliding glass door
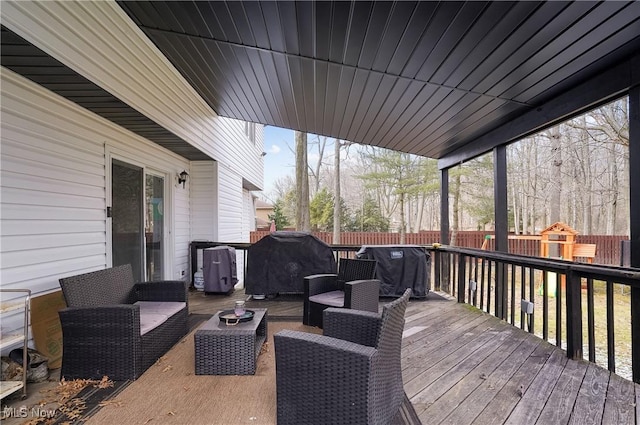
column 137, row 214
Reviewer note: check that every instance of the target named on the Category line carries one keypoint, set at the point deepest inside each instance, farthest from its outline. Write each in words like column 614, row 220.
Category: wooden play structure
column 556, row 241
column 564, row 237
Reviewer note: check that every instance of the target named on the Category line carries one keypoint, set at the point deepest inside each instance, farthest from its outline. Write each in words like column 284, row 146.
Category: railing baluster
column 501, row 290
column 461, row 276
column 559, row 280
column 611, row 341
column 522, row 292
column 513, row 294
column 532, row 295
column 454, row 269
column 475, row 279
column 545, row 307
column 482, row 280
column 437, row 278
column 488, row 310
column 591, row 326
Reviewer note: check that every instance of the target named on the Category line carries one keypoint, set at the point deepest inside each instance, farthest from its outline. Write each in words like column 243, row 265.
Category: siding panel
column 54, row 187
column 98, row 40
column 204, row 205
column 230, row 208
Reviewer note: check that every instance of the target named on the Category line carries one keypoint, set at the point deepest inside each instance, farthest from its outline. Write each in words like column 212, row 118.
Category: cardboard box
column 46, row 328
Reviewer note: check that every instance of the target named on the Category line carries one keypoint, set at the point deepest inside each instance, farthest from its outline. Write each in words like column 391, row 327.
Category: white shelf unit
column 18, row 301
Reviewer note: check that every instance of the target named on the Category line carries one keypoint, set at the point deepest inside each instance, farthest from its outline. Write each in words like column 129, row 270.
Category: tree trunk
column 315, row 172
column 533, row 196
column 612, row 206
column 403, row 222
column 336, row 194
column 455, row 192
column 587, row 215
column 556, row 176
column 421, row 201
column 516, row 212
column 303, row 221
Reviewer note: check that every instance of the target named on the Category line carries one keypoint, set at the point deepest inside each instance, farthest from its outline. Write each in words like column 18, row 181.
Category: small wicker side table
column 222, row 349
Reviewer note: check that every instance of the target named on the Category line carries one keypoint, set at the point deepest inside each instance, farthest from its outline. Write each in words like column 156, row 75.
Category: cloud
column 274, row 149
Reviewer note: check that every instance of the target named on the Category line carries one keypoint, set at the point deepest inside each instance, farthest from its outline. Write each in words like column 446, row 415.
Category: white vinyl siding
column 204, row 203
column 248, row 215
column 98, row 40
column 230, row 205
column 55, row 155
column 54, row 187
column 219, row 207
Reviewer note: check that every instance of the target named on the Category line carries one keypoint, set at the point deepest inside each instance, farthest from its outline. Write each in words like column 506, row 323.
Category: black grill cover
column 399, row 267
column 279, row 262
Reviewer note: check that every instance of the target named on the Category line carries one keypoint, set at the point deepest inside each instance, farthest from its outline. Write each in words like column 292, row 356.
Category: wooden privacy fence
column 607, row 247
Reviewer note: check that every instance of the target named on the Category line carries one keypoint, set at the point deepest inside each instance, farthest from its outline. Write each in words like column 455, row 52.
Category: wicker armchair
column 352, row 287
column 102, row 330
column 349, row 375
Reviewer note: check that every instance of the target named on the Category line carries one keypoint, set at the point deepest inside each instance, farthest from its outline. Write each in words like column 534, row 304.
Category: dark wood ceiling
column 447, row 80
column 428, row 78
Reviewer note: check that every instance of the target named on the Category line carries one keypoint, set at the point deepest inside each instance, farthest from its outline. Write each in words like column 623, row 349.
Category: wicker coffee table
column 222, row 349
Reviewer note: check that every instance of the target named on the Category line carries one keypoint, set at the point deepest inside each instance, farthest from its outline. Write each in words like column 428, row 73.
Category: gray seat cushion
column 155, row 313
column 333, row 299
column 168, row 308
column 150, row 321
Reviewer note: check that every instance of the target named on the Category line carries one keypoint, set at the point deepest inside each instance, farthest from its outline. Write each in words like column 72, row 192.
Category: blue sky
column 280, row 159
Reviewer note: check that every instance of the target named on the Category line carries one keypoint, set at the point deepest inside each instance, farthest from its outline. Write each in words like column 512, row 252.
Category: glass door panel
column 154, row 226
column 127, row 214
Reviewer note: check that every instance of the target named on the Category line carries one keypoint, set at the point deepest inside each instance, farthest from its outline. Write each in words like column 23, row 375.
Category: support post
column 634, row 203
column 444, row 271
column 501, row 226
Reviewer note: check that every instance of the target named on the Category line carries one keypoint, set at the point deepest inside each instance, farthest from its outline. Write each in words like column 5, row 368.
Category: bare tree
column 320, row 143
column 303, row 221
column 455, row 192
column 556, row 174
column 336, row 194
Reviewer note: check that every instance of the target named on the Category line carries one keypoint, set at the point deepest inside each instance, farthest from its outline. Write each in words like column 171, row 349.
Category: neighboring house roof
column 262, row 205
column 261, row 222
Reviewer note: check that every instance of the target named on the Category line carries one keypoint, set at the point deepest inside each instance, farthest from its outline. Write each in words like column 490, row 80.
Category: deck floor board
column 462, row 366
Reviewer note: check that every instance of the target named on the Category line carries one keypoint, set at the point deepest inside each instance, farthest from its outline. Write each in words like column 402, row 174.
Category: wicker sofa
column 115, row 327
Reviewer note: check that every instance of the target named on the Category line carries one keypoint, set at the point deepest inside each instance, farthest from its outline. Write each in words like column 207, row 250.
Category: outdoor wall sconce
column 182, row 177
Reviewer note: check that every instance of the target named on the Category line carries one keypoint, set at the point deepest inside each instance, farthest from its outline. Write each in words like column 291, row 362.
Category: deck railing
column 579, row 307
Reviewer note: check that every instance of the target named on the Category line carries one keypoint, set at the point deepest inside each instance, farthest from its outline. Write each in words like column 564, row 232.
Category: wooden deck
column 462, row 366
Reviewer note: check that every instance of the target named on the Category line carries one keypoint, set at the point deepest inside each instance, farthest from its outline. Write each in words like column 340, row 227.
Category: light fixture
column 182, row 177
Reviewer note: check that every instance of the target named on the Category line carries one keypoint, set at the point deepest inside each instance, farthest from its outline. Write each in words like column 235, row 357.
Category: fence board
column 607, row 247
